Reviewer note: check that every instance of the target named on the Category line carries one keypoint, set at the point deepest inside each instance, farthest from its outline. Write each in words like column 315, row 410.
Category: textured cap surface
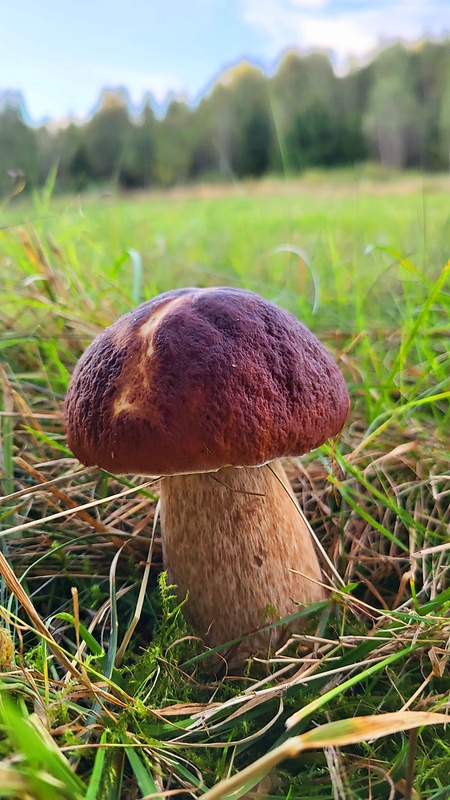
column 197, row 379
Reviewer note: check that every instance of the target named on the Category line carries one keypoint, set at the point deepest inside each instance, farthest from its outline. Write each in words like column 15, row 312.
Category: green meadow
column 106, row 692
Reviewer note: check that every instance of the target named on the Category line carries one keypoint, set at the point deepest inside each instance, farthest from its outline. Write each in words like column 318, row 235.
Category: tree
column 312, row 123
column 18, row 151
column 174, row 144
column 216, row 133
column 393, row 122
column 246, row 135
column 46, row 152
column 106, row 137
column 444, row 126
column 138, row 165
column 310, row 140
column 212, row 136
column 431, row 75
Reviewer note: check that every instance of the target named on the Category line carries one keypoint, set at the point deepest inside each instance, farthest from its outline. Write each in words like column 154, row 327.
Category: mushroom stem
column 230, row 539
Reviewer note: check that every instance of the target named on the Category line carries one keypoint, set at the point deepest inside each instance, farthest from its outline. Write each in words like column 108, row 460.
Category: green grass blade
column 38, row 748
column 136, row 289
column 94, row 788
column 143, row 777
column 319, row 702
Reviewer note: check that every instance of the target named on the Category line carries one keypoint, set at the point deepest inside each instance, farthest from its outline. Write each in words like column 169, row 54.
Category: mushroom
column 210, row 388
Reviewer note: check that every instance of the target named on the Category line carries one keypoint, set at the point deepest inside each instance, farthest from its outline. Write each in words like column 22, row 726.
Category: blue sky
column 61, row 54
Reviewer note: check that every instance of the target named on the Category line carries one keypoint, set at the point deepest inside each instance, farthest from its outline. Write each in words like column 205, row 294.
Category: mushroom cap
column 198, row 379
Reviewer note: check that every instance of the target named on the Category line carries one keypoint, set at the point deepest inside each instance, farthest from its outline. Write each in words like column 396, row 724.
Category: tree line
column 394, row 110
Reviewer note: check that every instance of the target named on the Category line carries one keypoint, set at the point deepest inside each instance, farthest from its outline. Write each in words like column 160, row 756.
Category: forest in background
column 394, row 111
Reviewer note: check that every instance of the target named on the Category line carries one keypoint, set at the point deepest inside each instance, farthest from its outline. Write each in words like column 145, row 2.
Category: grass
column 106, row 692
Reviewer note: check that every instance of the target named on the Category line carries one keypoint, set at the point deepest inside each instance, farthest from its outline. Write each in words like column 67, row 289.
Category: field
column 106, row 692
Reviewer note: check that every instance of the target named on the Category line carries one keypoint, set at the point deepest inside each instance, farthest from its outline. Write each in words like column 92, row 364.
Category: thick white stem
column 230, row 539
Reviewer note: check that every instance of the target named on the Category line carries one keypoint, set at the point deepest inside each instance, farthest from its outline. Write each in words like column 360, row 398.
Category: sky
column 61, row 54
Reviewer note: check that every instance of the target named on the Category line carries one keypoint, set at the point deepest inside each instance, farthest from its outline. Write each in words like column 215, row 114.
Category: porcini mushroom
column 210, row 388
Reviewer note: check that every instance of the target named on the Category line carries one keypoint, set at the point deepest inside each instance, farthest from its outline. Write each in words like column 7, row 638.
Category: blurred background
column 153, row 94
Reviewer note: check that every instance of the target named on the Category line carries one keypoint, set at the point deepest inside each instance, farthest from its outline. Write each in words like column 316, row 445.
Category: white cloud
column 350, row 28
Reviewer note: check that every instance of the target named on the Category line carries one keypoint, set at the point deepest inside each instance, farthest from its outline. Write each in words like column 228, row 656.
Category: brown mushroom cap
column 197, row 379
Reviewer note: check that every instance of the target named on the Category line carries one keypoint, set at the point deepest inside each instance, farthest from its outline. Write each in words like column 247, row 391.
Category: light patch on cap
column 125, row 401
column 148, row 328
column 122, row 404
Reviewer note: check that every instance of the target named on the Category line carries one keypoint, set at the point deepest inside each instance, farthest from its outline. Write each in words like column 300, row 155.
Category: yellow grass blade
column 358, row 729
column 336, row 734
